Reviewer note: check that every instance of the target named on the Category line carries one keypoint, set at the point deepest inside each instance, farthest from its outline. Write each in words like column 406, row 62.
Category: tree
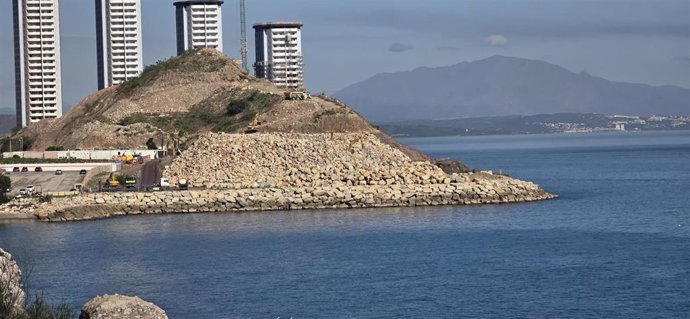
column 150, row 144
column 5, row 184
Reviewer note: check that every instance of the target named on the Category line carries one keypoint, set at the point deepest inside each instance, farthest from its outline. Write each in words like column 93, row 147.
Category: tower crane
column 243, row 36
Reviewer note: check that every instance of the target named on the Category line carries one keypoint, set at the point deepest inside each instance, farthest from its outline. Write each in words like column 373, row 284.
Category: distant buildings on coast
column 119, row 48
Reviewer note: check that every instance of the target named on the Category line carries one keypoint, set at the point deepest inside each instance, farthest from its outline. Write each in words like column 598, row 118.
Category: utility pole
column 243, row 38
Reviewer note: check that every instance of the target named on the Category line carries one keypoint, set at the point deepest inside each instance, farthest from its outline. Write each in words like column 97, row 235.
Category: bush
column 40, row 309
column 5, row 184
column 55, row 148
column 150, row 144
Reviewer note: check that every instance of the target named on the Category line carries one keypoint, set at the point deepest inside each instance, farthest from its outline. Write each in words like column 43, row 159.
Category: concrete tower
column 118, row 41
column 199, row 25
column 38, row 81
column 279, row 53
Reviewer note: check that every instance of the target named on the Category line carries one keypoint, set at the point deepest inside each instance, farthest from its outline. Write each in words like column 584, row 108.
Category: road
column 151, row 173
column 45, row 181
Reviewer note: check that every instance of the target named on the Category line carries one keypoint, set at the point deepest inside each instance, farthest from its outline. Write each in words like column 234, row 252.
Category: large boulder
column 120, row 307
column 11, row 293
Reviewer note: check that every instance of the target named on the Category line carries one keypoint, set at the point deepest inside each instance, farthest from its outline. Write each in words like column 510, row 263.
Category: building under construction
column 279, row 53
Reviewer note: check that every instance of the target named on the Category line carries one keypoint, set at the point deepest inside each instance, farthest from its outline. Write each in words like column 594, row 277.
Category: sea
column 615, row 244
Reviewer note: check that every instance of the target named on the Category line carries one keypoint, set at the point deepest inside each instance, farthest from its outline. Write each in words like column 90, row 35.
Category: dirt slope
column 177, row 99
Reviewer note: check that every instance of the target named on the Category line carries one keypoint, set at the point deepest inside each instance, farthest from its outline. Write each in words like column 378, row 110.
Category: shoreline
column 466, row 189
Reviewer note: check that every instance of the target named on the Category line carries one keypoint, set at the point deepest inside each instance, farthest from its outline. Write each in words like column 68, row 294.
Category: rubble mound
column 120, row 307
column 219, row 160
column 175, row 100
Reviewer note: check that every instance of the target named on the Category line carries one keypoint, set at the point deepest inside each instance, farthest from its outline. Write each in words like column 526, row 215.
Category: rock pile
column 12, row 295
column 239, row 161
column 120, row 307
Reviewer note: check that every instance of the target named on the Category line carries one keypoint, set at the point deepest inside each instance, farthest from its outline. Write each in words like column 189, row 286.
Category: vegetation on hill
column 182, row 97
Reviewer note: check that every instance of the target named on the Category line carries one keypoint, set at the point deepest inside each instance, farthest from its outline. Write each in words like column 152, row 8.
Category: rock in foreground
column 120, row 307
column 12, row 295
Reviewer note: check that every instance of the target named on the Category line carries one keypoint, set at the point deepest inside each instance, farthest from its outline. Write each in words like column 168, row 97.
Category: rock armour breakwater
column 466, row 189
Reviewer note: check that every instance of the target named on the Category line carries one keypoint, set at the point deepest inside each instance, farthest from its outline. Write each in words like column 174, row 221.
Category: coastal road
column 45, row 181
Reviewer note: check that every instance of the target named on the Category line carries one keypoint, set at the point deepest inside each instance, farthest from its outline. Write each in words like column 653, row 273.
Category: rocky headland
column 306, row 154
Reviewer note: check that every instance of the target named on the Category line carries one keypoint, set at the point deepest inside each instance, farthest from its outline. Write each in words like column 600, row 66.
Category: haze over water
column 615, row 245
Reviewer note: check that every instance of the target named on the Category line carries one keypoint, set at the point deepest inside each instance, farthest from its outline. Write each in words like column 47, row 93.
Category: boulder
column 12, row 295
column 120, row 307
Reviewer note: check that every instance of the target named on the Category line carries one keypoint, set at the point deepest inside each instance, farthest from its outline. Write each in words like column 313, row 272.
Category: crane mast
column 243, row 37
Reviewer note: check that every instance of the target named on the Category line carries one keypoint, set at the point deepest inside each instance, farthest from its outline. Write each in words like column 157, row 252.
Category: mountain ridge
column 501, row 85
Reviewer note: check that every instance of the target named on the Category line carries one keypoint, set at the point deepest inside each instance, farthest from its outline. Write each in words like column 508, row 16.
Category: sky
column 347, row 41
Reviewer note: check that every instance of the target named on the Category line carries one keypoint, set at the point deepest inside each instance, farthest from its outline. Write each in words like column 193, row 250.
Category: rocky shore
column 468, row 189
column 268, row 172
column 13, row 298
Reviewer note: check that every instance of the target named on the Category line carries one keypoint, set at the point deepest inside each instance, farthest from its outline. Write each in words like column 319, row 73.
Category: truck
column 183, row 184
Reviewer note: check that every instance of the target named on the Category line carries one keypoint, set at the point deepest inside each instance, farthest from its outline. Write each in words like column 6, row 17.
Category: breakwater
column 463, row 189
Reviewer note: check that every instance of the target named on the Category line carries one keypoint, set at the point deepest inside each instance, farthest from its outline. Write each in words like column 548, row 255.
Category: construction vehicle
column 253, row 127
column 112, row 181
column 183, row 184
column 297, row 95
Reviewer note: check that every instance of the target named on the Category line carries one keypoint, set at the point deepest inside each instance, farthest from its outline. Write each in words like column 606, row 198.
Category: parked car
column 82, row 172
column 15, row 170
column 25, row 169
column 38, row 169
column 58, row 172
column 30, row 189
column 22, row 192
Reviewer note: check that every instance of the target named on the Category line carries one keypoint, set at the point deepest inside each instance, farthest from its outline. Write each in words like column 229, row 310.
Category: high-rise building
column 118, row 41
column 199, row 25
column 279, row 53
column 38, row 82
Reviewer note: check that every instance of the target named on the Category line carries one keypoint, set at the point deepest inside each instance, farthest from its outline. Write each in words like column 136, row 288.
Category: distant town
column 536, row 124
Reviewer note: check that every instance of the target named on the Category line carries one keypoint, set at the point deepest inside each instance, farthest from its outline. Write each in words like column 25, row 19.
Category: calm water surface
column 615, row 245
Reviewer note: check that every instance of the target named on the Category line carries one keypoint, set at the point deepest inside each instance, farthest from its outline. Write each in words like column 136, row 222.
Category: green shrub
column 55, row 148
column 150, row 144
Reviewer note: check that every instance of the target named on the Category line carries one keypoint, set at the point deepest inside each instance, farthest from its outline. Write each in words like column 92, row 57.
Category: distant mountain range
column 499, row 86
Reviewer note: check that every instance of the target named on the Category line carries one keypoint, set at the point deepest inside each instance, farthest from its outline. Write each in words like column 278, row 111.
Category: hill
column 178, row 99
column 499, row 86
column 7, row 123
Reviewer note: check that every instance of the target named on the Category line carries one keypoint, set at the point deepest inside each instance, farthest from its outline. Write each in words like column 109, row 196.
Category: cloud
column 496, row 40
column 400, row 47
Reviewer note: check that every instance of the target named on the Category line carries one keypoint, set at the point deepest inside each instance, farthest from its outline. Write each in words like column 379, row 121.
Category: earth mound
column 175, row 100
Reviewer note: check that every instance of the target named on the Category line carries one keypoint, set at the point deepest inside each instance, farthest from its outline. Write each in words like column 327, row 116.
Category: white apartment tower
column 38, row 82
column 279, row 53
column 118, row 41
column 199, row 25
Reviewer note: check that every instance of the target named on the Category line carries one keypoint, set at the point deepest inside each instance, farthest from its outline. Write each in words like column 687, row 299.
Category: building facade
column 279, row 53
column 38, row 81
column 199, row 25
column 118, row 41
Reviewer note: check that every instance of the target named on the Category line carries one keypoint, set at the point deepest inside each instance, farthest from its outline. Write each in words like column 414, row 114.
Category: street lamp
column 21, row 145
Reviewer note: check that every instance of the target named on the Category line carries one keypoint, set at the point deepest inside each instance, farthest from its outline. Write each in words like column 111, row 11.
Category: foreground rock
column 12, row 295
column 120, row 307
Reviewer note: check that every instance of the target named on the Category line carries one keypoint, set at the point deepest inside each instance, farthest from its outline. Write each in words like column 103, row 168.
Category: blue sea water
column 616, row 244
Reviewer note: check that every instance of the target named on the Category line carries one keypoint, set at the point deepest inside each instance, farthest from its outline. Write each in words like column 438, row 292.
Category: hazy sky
column 346, row 41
